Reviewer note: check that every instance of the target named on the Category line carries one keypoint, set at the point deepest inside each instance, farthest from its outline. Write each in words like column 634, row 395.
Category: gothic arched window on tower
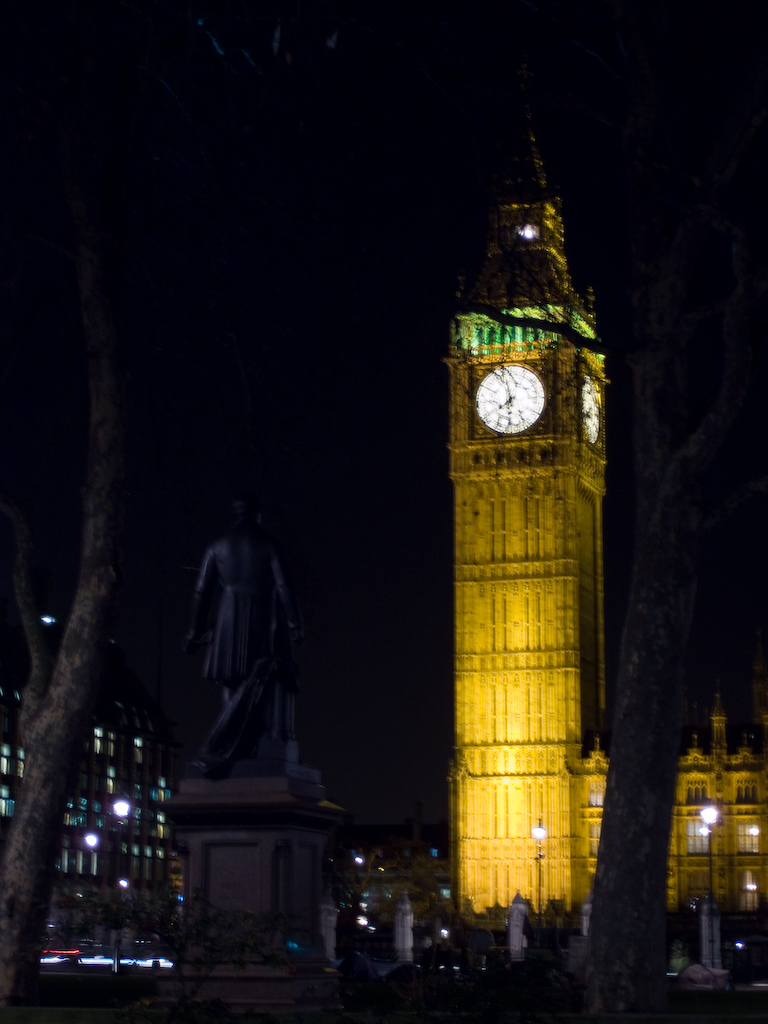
column 746, row 792
column 594, row 839
column 596, row 793
column 697, row 793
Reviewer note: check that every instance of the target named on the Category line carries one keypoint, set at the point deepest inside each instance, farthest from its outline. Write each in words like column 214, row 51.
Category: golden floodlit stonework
column 527, row 451
column 527, row 460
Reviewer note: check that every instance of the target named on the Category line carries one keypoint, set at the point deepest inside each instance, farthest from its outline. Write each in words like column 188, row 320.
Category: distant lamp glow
column 709, row 814
column 739, row 945
column 49, row 620
column 91, row 840
column 444, row 933
column 528, row 231
column 751, row 886
column 359, row 860
column 123, row 883
column 121, row 808
column 539, row 833
column 754, row 830
column 362, row 920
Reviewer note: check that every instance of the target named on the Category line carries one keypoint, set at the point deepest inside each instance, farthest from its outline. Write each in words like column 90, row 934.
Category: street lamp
column 91, row 840
column 709, row 816
column 122, row 810
column 539, row 833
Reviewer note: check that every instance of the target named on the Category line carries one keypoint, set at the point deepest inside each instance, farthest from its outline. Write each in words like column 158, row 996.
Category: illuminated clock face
column 510, row 399
column 590, row 410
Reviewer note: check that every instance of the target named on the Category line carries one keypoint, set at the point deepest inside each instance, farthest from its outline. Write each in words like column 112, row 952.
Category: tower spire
column 718, row 720
column 525, row 274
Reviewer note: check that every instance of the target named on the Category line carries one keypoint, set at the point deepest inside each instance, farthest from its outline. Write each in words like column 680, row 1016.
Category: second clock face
column 510, row 399
column 590, row 410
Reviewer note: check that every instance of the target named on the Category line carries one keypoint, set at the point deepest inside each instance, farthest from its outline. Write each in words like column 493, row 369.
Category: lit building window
column 98, row 741
column 748, row 892
column 5, row 759
column 696, row 843
column 6, row 804
column 747, row 837
column 596, row 794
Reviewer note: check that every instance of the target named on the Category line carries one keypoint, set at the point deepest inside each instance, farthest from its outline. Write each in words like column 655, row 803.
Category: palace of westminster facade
column 527, row 458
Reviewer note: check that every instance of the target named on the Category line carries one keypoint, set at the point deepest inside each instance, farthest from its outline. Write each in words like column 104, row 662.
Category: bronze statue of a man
column 249, row 647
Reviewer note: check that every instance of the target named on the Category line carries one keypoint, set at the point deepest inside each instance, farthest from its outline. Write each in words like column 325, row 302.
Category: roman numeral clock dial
column 510, row 399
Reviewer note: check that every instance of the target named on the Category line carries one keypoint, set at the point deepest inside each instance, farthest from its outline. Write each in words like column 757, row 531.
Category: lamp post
column 709, row 816
column 539, row 833
column 121, row 809
column 91, row 840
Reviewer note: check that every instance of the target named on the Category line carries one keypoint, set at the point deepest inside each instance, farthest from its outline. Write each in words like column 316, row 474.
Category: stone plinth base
column 303, row 986
column 255, row 842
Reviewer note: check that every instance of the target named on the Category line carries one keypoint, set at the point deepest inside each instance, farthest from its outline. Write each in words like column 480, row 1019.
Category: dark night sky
column 295, row 240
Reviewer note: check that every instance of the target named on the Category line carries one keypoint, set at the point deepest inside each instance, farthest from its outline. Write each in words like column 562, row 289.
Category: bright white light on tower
column 121, row 808
column 91, row 840
column 49, row 620
column 539, row 832
column 528, row 231
column 754, row 830
column 123, row 883
column 709, row 814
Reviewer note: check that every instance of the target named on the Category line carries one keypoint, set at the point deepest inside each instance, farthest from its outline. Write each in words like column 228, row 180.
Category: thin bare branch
column 751, row 286
column 738, row 497
column 507, row 320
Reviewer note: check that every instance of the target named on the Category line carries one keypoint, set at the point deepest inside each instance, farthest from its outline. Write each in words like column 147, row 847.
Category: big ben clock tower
column 527, row 460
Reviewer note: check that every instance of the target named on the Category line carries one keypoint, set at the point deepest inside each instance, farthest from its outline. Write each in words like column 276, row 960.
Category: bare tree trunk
column 674, row 216
column 626, row 969
column 55, row 725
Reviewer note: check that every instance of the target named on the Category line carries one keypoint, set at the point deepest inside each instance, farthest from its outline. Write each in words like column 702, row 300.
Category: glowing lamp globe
column 709, row 815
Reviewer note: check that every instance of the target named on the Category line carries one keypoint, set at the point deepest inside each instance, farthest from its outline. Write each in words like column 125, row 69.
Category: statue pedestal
column 255, row 842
